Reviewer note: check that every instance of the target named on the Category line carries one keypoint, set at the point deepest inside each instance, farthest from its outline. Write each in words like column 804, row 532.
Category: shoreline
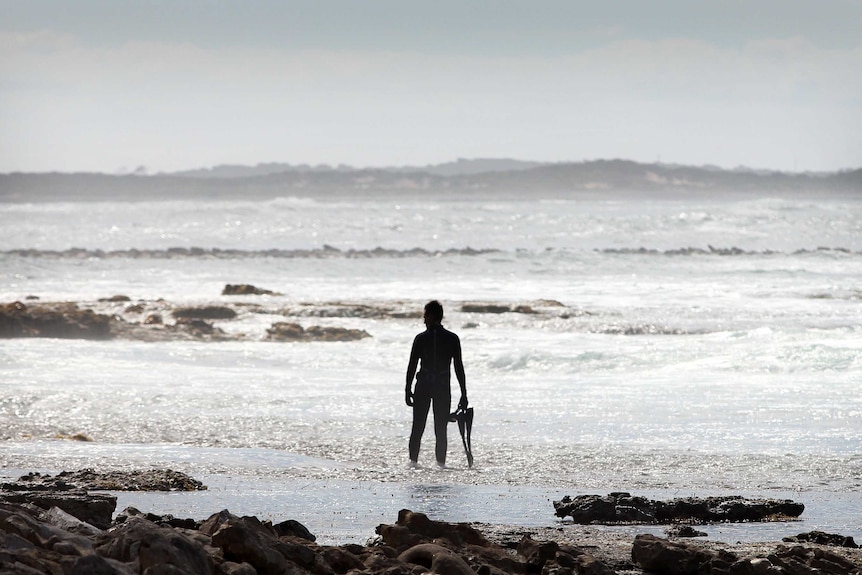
column 345, row 511
column 46, row 540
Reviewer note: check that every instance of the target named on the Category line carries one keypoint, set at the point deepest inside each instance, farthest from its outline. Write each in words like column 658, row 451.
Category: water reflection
column 437, row 501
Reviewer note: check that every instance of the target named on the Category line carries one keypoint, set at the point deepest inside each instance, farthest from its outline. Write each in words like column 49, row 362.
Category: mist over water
column 671, row 348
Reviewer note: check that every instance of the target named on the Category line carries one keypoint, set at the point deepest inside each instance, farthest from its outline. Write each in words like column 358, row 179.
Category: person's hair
column 434, row 309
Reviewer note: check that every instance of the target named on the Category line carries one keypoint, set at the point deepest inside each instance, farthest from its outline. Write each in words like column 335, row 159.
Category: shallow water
column 669, row 371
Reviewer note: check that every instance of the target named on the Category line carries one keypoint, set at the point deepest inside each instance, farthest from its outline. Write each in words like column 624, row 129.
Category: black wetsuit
column 436, row 348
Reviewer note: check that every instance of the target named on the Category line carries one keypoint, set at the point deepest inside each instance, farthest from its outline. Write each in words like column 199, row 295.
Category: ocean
column 665, row 346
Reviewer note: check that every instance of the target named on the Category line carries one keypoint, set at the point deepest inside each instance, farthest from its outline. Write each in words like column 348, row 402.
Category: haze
column 111, row 86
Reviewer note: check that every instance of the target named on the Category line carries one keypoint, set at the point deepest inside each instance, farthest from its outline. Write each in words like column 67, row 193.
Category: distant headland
column 462, row 178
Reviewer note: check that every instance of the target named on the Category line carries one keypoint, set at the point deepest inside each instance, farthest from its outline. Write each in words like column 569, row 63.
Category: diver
column 436, row 348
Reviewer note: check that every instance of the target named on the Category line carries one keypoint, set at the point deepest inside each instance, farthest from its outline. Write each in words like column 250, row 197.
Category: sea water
column 672, row 347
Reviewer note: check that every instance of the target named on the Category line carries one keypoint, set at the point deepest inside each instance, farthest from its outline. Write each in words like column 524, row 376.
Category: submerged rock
column 286, row 331
column 204, row 312
column 245, row 289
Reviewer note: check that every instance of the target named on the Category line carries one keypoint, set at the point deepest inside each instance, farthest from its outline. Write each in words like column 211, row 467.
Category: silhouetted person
column 436, row 348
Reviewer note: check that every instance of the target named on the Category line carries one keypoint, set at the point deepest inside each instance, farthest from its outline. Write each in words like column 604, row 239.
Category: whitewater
column 665, row 346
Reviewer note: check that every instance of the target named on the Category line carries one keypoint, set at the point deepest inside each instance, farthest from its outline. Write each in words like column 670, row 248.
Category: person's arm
column 458, row 364
column 411, row 372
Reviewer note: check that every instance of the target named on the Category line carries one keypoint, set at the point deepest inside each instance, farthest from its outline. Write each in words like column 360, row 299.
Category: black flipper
column 464, row 418
column 468, row 447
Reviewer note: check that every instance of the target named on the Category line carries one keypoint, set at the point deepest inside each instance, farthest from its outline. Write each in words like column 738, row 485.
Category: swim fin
column 464, row 418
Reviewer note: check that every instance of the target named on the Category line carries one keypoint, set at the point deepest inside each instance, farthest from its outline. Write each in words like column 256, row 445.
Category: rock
column 621, row 507
column 291, row 528
column 437, row 559
column 803, row 560
column 245, row 289
column 154, row 319
column 485, row 308
column 199, row 328
column 153, row 547
column 662, row 556
column 204, row 312
column 93, row 508
column 64, row 321
column 36, row 541
column 285, row 331
column 821, row 538
column 116, row 299
column 417, row 527
column 245, row 540
column 89, row 479
column 684, row 531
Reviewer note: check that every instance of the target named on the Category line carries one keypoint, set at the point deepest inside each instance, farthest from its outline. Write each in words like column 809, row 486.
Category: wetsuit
column 435, row 348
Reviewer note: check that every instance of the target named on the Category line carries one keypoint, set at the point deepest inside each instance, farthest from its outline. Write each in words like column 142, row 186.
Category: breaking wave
column 328, row 251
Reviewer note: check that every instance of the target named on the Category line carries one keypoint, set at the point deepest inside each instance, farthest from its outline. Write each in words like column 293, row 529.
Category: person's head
column 433, row 312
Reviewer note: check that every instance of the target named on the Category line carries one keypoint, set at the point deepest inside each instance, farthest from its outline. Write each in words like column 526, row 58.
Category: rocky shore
column 39, row 534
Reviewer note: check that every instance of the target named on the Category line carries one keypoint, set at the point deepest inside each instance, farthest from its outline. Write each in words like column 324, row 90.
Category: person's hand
column 462, row 405
column 408, row 398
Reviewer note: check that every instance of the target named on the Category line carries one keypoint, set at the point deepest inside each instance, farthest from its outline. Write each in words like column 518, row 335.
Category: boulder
column 154, row 548
column 413, row 528
column 670, row 558
column 245, row 540
column 292, row 528
column 436, row 559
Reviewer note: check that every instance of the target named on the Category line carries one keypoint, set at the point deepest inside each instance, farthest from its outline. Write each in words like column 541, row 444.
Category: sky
column 114, row 86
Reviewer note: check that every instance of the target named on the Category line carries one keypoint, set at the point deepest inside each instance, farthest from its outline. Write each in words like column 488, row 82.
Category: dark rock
column 204, row 312
column 684, row 531
column 93, row 508
column 341, row 560
column 821, row 538
column 64, row 321
column 662, row 556
column 245, row 289
column 199, row 328
column 436, row 559
column 116, row 299
column 623, row 508
column 413, row 528
column 799, row 560
column 154, row 319
column 89, row 479
column 291, row 528
column 246, row 540
column 285, row 331
column 153, row 547
column 485, row 308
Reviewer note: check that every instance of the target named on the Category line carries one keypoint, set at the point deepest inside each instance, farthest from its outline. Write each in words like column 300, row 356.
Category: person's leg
column 421, row 405
column 442, row 404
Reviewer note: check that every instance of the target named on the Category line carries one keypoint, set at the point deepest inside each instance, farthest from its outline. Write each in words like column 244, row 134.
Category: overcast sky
column 113, row 85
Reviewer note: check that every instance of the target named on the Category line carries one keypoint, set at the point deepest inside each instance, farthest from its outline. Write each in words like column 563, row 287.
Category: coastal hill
column 464, row 178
